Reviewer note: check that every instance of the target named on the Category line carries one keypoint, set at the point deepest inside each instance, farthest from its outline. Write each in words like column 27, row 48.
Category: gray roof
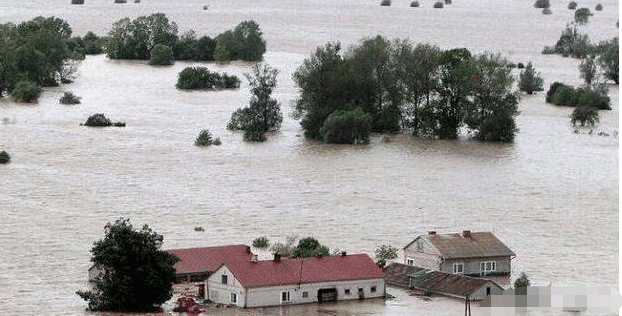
column 479, row 244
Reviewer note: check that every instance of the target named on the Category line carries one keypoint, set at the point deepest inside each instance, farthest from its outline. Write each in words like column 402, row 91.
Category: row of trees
column 388, row 86
column 136, row 39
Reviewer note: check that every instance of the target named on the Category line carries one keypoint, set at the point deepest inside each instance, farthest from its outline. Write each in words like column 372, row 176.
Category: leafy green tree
column 542, row 4
column 134, row 39
column 530, row 81
column 137, row 275
column 347, row 127
column 251, row 46
column 186, row 47
column 261, row 242
column 92, row 44
column 98, row 120
column 202, row 78
column 609, row 59
column 205, row 47
column 69, row 98
column 204, row 138
column 161, row 55
column 582, row 15
column 572, row 5
column 385, row 253
column 584, row 114
column 308, row 247
column 26, row 91
column 522, row 281
column 588, row 69
column 571, row 43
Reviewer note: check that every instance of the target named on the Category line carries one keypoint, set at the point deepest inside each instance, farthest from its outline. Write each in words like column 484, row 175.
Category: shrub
column 199, row 229
column 69, row 98
column 609, row 59
column 216, row 141
column 92, row 44
column 254, row 134
column 26, row 91
column 136, row 1
column 521, row 281
column 414, row 4
column 438, row 5
column 520, row 65
column 546, row 11
column 347, row 127
column 572, row 5
column 447, row 1
column 77, row 1
column 98, row 120
column 530, row 81
column 120, row 1
column 565, row 95
column 4, row 157
column 581, row 16
column 587, row 69
column 599, row 7
column 161, row 55
column 541, row 4
column 261, row 243
column 571, row 43
column 584, row 114
column 205, row 7
column 552, row 89
column 204, row 138
column 202, row 78
column 594, row 96
column 385, row 3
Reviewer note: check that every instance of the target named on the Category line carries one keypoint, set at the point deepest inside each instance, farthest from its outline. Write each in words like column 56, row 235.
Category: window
column 234, row 298
column 419, row 245
column 410, row 262
column 224, row 279
column 285, row 297
column 373, row 289
column 347, row 291
column 305, row 294
column 458, row 267
column 488, row 290
column 486, row 267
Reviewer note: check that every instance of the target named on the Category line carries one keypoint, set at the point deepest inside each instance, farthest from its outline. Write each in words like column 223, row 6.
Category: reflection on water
column 552, row 196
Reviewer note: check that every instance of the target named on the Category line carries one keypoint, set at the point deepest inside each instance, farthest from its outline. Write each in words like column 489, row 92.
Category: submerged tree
column 385, row 253
column 522, row 281
column 588, row 69
column 529, row 80
column 584, row 114
column 137, row 274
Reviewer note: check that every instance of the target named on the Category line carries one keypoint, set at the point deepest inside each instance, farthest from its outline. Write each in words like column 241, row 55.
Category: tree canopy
column 421, row 89
column 137, row 274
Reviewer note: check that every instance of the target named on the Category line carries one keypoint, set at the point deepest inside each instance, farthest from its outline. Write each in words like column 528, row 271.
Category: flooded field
column 552, row 196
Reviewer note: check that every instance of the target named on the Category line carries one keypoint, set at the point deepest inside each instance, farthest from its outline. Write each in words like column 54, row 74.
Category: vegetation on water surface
column 588, row 69
column 422, row 89
column 582, row 15
column 438, row 5
column 137, row 274
column 572, row 5
column 77, row 1
column 264, row 112
column 571, row 43
column 100, row 120
column 594, row 95
column 542, row 4
column 385, row 3
column 4, row 157
column 546, row 11
column 204, row 138
column 202, row 78
column 306, row 247
column 522, row 281
column 69, row 98
column 530, row 81
column 599, row 7
column 26, row 91
column 584, row 115
column 261, row 242
column 414, row 4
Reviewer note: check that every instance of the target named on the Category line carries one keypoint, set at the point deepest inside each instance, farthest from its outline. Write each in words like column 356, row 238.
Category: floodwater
column 552, row 196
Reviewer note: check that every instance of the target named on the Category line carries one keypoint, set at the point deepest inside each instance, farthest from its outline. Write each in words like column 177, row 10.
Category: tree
column 202, row 78
column 541, row 4
column 347, row 127
column 584, row 114
column 4, row 157
column 588, row 69
column 521, row 281
column 161, row 55
column 572, row 5
column 204, row 138
column 385, row 253
column 134, row 39
column 251, row 46
column 308, row 247
column 530, row 81
column 26, row 91
column 137, row 275
column 582, row 15
column 98, row 120
column 263, row 113
column 261, row 242
column 609, row 59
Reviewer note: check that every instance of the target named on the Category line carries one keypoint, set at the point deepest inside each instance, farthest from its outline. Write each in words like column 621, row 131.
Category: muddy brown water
column 552, row 196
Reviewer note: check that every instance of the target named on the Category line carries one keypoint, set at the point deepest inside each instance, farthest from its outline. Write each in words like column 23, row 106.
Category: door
column 327, row 295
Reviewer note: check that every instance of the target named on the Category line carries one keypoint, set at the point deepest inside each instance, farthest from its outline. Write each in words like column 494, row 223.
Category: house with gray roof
column 469, row 253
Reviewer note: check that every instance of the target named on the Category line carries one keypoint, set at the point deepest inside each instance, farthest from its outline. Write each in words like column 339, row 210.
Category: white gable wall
column 221, row 293
column 427, row 257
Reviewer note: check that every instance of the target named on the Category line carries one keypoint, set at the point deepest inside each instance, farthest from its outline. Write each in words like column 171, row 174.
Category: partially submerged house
column 470, row 253
column 253, row 283
column 197, row 264
column 440, row 283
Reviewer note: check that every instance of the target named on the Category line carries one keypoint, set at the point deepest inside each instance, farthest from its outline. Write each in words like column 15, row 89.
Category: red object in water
column 187, row 305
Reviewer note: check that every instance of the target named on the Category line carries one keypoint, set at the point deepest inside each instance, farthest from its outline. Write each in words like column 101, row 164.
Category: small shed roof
column 442, row 282
column 208, row 259
column 468, row 245
column 308, row 270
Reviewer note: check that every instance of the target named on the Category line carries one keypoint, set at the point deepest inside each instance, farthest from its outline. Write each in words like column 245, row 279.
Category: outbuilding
column 254, row 283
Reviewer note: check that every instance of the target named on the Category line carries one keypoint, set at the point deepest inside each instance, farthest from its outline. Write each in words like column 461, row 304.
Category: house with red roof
column 254, row 283
column 197, row 264
column 469, row 253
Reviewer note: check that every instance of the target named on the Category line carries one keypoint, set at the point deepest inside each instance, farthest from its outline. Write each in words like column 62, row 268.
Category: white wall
column 221, row 293
column 428, row 258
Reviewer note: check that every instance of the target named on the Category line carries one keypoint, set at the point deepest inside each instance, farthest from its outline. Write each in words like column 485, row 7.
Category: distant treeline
column 390, row 86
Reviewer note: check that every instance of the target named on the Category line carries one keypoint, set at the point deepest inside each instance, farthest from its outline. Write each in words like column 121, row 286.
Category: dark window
column 224, row 279
column 488, row 290
column 360, row 290
column 234, row 298
column 347, row 291
column 373, row 289
column 305, row 294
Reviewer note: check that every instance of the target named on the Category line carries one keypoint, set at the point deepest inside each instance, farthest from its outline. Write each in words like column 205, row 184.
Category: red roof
column 208, row 259
column 308, row 270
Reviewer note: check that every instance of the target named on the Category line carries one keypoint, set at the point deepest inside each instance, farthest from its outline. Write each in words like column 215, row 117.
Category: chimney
column 432, row 233
column 277, row 257
column 343, row 253
column 466, row 233
column 248, row 249
column 254, row 259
